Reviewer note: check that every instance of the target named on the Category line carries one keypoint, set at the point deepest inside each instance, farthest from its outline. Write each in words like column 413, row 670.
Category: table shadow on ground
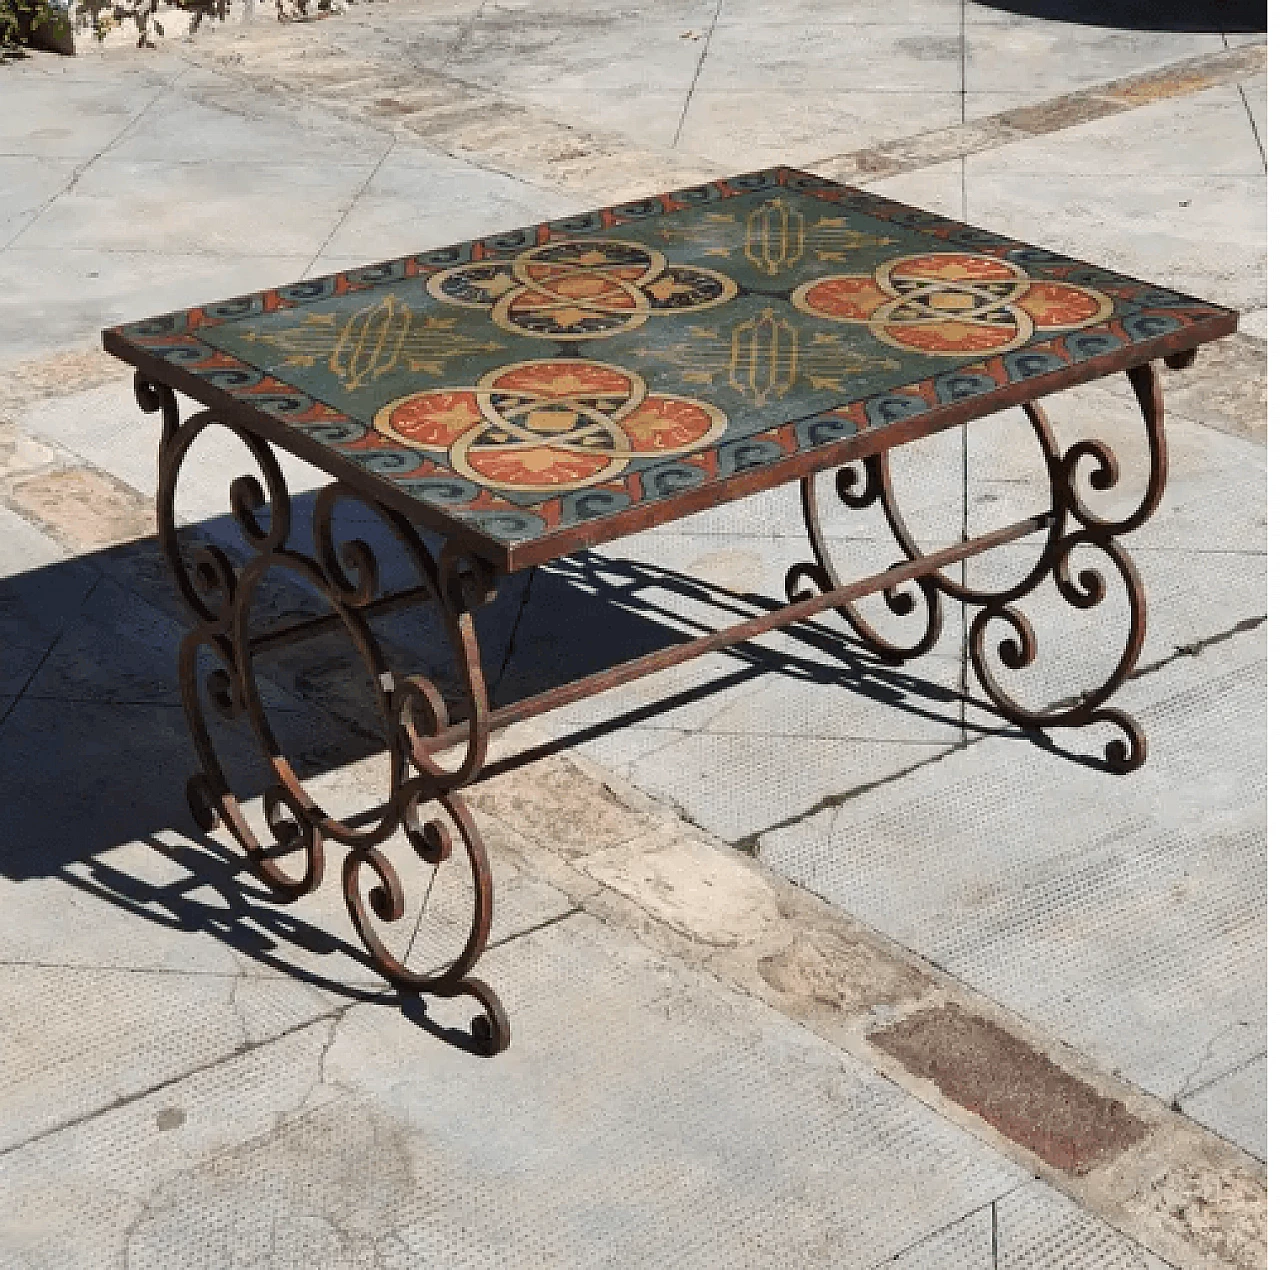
column 1219, row 16
column 219, row 897
column 85, row 772
column 88, row 766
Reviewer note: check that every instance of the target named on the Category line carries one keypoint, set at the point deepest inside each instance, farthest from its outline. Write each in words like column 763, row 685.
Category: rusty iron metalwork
column 423, row 803
column 1071, row 526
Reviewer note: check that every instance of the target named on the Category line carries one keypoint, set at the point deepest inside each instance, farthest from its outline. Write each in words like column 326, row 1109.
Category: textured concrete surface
column 204, row 1077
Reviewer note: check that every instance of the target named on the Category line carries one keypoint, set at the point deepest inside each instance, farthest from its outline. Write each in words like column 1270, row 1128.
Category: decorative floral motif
column 581, row 289
column 550, row 426
column 952, row 303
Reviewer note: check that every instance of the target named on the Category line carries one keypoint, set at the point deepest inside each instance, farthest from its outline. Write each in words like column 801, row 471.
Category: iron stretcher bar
column 665, row 658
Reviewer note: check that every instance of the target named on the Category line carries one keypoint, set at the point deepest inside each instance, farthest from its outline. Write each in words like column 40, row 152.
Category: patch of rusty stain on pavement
column 84, row 509
column 1058, row 114
column 1014, row 1088
column 1164, row 84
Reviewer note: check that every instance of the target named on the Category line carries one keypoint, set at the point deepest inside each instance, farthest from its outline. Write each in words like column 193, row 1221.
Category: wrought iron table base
column 423, row 801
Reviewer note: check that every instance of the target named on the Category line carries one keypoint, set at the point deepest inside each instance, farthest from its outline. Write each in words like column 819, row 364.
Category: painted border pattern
column 175, row 338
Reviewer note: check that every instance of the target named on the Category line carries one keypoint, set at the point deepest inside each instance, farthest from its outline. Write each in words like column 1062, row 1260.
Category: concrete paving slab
column 212, row 119
column 105, row 1035
column 1032, row 1228
column 965, row 1245
column 140, row 1146
column 1196, row 597
column 689, row 570
column 69, row 119
column 131, row 763
column 809, row 681
column 1146, row 850
column 539, row 12
column 114, row 650
column 616, row 748
column 438, row 901
column 93, row 63
column 84, row 289
column 1166, row 230
column 898, row 60
column 645, row 112
column 937, row 188
column 158, row 896
column 682, row 699
column 117, row 652
column 1229, row 389
column 755, row 569
column 1037, row 1228
column 1191, row 598
column 369, row 1134
column 523, row 50
column 283, row 209
column 879, row 704
column 105, row 427
column 29, row 182
column 1206, row 134
column 707, row 1183
column 1031, row 60
column 944, row 13
column 1254, row 323
column 791, row 692
column 1235, row 1106
column 738, row 792
column 416, row 201
column 1215, row 499
column 40, row 593
column 165, row 904
column 1154, row 939
column 743, row 129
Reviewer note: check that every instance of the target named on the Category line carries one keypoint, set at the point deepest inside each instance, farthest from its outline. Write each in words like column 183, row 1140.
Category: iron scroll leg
column 1072, row 529
column 422, row 804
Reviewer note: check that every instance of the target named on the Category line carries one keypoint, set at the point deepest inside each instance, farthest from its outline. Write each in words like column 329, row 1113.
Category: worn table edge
column 514, row 557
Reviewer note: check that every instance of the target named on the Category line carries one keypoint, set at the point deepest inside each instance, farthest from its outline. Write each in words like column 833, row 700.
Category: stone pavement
column 955, row 1000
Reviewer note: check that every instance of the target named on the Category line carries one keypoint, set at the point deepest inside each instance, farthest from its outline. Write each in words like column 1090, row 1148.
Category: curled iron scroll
column 420, row 803
column 1072, row 525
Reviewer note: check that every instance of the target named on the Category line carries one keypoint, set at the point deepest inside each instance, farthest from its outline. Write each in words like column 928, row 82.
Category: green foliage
column 20, row 18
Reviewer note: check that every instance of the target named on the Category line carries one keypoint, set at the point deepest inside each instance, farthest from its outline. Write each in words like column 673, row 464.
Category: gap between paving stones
column 1055, row 114
column 452, row 114
column 750, row 844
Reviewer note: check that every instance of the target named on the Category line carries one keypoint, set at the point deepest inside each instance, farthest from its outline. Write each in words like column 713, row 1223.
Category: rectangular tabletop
column 542, row 390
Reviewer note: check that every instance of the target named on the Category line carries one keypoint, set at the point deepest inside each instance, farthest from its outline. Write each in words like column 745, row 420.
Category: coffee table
column 501, row 403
